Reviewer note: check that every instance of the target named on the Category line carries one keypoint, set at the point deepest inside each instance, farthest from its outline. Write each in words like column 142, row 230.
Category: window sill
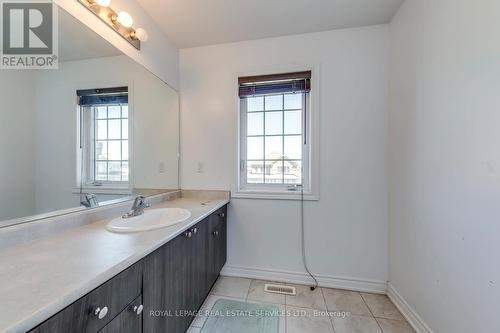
column 273, row 195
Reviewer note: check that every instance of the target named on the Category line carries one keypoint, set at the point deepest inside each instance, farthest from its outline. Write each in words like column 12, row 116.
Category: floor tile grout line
column 380, row 316
column 247, row 299
column 378, row 324
column 369, row 309
column 249, row 286
column 366, row 303
column 327, row 310
column 286, row 322
column 305, row 308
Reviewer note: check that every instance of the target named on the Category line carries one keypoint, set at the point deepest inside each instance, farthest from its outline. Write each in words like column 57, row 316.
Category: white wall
column 158, row 54
column 156, row 132
column 16, row 144
column 445, row 162
column 347, row 230
column 154, row 109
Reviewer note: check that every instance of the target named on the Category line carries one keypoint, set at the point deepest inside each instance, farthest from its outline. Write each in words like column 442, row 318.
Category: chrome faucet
column 89, row 200
column 137, row 208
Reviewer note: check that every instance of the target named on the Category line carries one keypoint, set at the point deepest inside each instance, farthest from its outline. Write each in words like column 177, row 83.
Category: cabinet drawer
column 111, row 298
column 128, row 321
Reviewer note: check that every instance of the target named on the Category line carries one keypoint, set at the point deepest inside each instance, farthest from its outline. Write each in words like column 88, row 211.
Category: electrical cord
column 304, row 254
column 302, row 222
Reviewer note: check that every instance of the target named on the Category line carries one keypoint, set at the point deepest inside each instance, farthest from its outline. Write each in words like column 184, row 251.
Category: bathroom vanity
column 88, row 279
column 160, row 293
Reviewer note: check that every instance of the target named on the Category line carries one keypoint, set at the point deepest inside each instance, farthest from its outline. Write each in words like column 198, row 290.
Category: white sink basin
column 151, row 219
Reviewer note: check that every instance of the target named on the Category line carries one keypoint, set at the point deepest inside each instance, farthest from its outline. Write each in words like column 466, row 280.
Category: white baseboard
column 411, row 316
column 370, row 286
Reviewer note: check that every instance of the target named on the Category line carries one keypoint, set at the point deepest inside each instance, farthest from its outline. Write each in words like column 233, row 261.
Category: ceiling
column 78, row 42
column 190, row 23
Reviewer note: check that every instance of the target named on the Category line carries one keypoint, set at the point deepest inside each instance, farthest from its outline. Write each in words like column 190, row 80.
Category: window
column 104, row 137
column 110, row 143
column 274, row 141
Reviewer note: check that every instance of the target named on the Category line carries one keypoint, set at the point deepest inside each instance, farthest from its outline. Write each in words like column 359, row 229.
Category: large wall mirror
column 101, row 128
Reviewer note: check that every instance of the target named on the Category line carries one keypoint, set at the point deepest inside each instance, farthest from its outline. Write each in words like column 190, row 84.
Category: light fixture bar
column 108, row 16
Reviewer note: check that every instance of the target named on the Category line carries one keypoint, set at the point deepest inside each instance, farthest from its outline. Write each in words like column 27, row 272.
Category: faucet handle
column 139, row 201
column 138, row 207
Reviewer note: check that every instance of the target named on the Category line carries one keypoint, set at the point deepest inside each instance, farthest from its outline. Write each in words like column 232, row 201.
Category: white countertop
column 42, row 277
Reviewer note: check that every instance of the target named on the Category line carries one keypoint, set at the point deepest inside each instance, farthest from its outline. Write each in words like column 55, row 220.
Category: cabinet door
column 128, row 321
column 166, row 292
column 199, row 263
column 217, row 247
column 220, row 256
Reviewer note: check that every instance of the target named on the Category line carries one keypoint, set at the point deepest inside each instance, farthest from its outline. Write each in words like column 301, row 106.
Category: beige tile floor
column 316, row 311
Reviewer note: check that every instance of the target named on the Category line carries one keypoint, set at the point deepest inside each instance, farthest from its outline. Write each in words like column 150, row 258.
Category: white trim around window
column 310, row 152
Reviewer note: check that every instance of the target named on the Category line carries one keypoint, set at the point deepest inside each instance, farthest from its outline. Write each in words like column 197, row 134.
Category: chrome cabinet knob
column 188, row 234
column 222, row 214
column 194, row 230
column 215, row 233
column 101, row 312
column 138, row 309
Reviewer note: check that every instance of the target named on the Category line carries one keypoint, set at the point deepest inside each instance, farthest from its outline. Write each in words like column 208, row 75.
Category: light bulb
column 125, row 19
column 103, row 3
column 140, row 34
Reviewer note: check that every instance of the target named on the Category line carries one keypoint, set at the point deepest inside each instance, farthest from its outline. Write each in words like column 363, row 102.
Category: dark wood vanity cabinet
column 167, row 289
column 170, row 284
column 200, row 256
column 179, row 275
column 217, row 245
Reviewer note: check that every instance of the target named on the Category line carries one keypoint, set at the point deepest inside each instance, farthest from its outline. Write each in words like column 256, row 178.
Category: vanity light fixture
column 103, row 3
column 139, row 34
column 121, row 22
column 124, row 19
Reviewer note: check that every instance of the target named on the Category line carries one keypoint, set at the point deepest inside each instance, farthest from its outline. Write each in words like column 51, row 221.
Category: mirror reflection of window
column 104, row 137
column 110, row 142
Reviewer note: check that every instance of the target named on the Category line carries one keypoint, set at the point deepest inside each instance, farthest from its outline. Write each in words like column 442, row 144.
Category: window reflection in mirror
column 54, row 151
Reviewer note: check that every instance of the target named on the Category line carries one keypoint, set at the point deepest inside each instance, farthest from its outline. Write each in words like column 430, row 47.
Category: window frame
column 244, row 185
column 88, row 162
column 310, row 169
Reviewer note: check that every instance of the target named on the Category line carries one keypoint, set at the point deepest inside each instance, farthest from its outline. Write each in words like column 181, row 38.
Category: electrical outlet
column 199, row 167
column 161, row 167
